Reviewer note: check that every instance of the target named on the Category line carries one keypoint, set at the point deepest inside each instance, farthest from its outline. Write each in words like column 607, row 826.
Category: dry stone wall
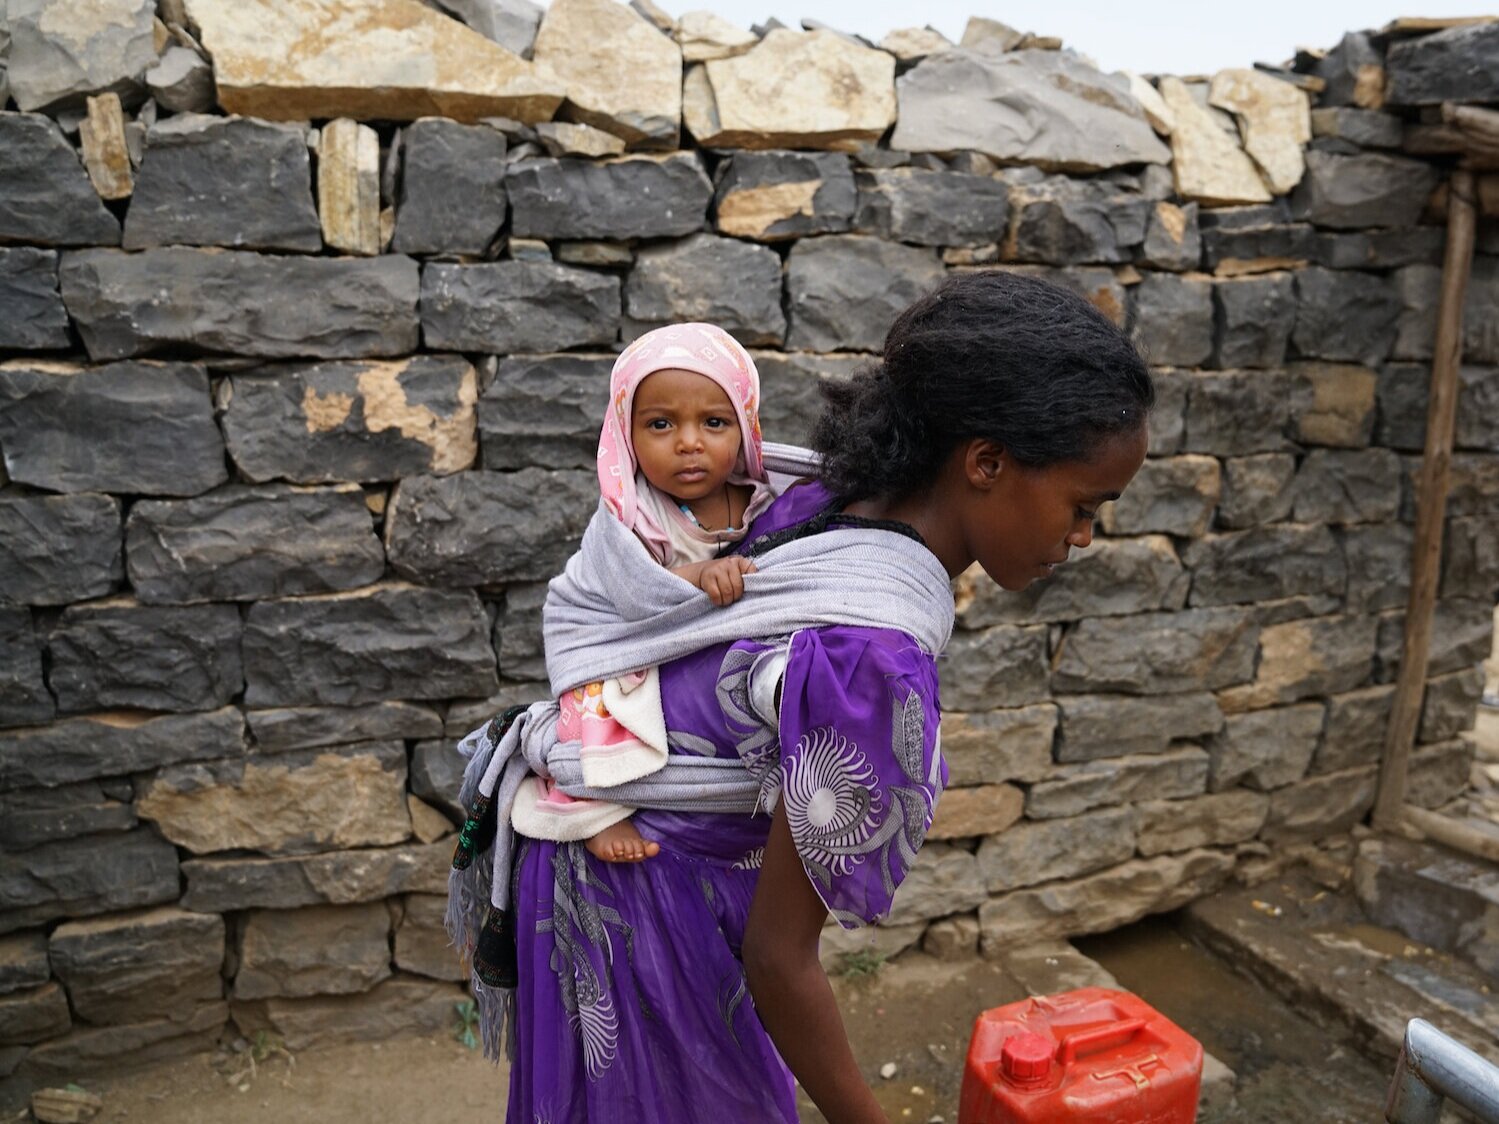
column 302, row 372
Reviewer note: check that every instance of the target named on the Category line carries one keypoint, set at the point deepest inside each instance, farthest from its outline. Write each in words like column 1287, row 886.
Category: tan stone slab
column 294, row 60
column 982, row 30
column 706, row 35
column 1275, row 119
column 567, row 138
column 963, row 813
column 105, row 154
column 427, row 823
column 910, row 44
column 1157, row 112
column 813, row 89
column 1209, row 167
column 621, row 74
column 348, row 187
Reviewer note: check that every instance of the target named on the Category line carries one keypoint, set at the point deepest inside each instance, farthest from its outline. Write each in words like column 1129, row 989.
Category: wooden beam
column 1479, row 125
column 1431, row 503
column 1452, row 833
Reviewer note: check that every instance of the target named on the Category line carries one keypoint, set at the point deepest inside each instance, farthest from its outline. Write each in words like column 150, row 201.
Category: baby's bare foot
column 621, row 843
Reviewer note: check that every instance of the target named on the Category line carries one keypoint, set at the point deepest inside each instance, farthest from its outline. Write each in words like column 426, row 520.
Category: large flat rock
column 77, row 878
column 45, row 194
column 323, row 423
column 1049, row 108
column 620, row 73
column 34, row 816
column 290, row 60
column 452, row 191
column 1452, row 65
column 663, row 196
column 241, row 303
column 705, row 278
column 62, row 52
column 278, row 729
column 24, row 698
column 389, row 641
column 355, row 875
column 127, row 427
column 243, row 542
column 930, row 208
column 1208, row 164
column 544, row 411
column 517, row 306
column 32, row 316
column 793, row 89
column 158, row 962
column 215, row 181
column 317, row 950
column 57, row 549
column 844, row 290
column 775, row 196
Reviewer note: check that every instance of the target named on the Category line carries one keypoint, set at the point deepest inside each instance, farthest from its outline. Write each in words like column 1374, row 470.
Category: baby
column 680, row 465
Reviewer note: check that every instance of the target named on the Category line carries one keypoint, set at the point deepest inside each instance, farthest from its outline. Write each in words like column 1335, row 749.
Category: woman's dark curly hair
column 1025, row 363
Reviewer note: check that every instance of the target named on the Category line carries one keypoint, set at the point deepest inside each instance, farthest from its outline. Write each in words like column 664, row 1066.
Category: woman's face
column 685, row 434
column 1022, row 522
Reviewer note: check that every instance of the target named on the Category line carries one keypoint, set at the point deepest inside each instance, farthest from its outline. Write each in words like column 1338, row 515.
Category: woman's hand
column 722, row 579
column 791, row 991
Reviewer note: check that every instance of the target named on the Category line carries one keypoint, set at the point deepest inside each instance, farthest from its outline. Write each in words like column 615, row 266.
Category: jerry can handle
column 1114, row 1033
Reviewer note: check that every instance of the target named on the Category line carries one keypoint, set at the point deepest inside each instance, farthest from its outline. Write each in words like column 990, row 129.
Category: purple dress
column 632, row 1003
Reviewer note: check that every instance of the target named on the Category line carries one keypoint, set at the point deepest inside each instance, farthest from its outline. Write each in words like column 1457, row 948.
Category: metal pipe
column 1433, row 1068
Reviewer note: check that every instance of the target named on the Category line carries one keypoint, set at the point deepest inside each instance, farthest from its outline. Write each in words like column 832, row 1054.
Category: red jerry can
column 1086, row 1055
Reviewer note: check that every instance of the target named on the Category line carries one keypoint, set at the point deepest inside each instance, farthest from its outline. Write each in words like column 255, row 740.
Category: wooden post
column 1431, row 503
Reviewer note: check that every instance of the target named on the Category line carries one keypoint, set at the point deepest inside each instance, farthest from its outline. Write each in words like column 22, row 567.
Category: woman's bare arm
column 791, row 991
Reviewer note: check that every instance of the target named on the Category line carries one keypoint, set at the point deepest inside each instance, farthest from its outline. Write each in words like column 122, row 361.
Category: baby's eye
column 717, row 423
column 658, row 424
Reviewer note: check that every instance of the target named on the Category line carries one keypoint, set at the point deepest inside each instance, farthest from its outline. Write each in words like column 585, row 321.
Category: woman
column 683, row 988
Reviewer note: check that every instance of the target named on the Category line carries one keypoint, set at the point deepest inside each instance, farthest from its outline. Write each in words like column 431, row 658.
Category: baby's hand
column 723, row 579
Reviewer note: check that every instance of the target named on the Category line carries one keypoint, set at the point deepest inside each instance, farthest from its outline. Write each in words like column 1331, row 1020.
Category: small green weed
column 857, row 965
column 467, row 1028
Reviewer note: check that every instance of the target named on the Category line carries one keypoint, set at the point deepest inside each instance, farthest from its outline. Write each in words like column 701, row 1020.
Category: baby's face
column 685, row 433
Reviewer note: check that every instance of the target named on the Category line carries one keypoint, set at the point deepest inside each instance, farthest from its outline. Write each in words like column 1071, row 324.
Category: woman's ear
column 983, row 463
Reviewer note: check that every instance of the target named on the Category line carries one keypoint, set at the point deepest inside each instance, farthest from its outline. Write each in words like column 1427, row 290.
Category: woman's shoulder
column 798, row 503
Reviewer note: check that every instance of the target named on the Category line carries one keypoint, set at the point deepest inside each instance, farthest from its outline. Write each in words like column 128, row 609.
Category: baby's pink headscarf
column 702, row 348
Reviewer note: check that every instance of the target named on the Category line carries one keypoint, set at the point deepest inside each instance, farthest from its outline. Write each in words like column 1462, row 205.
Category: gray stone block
column 422, row 944
column 240, row 303
column 1002, row 666
column 32, row 316
column 515, row 306
column 1353, row 71
column 1168, row 417
column 1158, row 653
column 241, row 543
column 282, row 728
column 1234, row 251
column 437, row 774
column 1233, row 413
column 182, row 81
column 1169, row 495
column 1113, row 577
column 1265, row 749
column 452, row 190
column 1367, row 128
column 843, row 291
column 1439, row 773
column 735, row 285
column 1264, row 564
column 1470, row 558
column 57, row 549
column 1346, row 192
column 77, row 878
column 317, row 950
column 776, row 196
column 126, row 427
column 1321, row 806
column 1253, row 318
column 23, row 961
column 27, row 1017
column 517, row 632
column 1094, row 726
column 133, row 1045
column 1379, row 565
column 1381, row 249
column 994, row 747
column 1344, row 315
column 791, row 396
column 1307, row 658
column 1450, row 705
column 642, row 196
column 544, row 411
column 45, row 195
column 1420, row 292
column 119, row 653
column 942, row 881
column 1173, row 239
column 1473, row 486
column 113, row 745
column 161, row 962
column 24, row 698
column 62, row 53
column 1172, row 320
column 1043, row 851
column 34, row 816
column 1452, row 65
column 1219, row 819
column 1256, row 489
column 235, row 182
column 1462, row 631
column 367, row 421
column 388, row 641
column 1355, row 731
column 1062, row 221
column 487, row 528
column 929, row 208
column 357, row 875
column 1347, row 486
column 1072, row 790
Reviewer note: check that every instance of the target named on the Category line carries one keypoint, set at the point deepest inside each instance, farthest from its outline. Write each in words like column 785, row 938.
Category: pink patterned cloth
column 707, row 350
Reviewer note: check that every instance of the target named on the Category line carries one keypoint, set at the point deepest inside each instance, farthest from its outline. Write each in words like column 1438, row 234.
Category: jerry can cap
column 1026, row 1057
